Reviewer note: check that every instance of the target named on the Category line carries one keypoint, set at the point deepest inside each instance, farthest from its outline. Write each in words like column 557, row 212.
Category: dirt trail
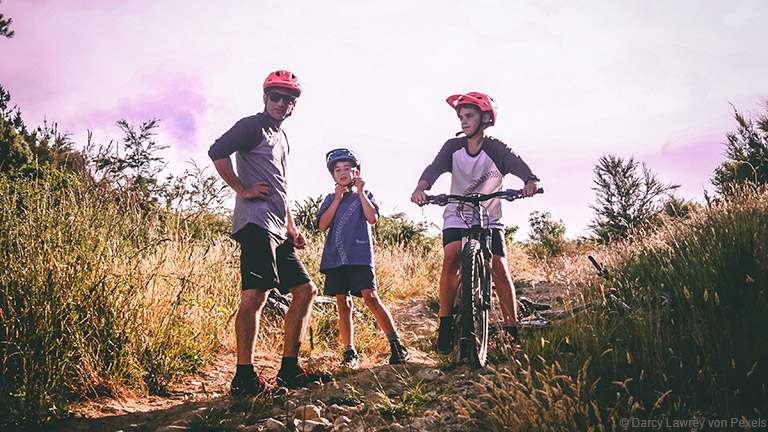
column 197, row 397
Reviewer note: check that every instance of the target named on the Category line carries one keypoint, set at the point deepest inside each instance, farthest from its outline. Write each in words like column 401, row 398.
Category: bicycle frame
column 473, row 293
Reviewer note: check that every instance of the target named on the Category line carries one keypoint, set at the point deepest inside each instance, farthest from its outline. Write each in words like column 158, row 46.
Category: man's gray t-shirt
column 261, row 151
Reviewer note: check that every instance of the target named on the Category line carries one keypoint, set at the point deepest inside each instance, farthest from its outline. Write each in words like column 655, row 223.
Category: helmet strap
column 481, row 127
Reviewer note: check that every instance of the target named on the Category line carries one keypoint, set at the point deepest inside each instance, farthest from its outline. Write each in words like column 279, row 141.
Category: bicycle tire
column 473, row 322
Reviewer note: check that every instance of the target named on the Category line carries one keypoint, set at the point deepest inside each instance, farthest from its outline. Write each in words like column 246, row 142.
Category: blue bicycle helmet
column 339, row 154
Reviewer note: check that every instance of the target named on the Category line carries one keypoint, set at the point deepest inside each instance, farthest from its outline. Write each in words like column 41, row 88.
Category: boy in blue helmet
column 347, row 260
column 478, row 164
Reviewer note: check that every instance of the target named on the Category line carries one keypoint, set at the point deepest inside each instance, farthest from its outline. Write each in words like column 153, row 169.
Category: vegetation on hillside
column 117, row 280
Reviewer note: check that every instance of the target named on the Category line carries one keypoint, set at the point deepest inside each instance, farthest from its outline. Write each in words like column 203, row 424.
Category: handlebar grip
column 540, row 190
column 594, row 263
column 440, row 200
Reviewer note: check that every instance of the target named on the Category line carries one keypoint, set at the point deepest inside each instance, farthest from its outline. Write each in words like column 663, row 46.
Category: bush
column 692, row 346
column 98, row 294
column 547, row 236
column 397, row 229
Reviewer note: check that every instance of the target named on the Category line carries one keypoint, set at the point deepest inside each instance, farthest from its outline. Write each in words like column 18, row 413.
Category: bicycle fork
column 483, row 237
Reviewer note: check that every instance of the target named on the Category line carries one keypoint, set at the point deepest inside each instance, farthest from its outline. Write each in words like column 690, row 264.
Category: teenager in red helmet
column 263, row 225
column 478, row 164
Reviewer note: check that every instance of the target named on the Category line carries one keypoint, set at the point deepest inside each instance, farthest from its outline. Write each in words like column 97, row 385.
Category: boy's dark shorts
column 498, row 245
column 268, row 262
column 349, row 279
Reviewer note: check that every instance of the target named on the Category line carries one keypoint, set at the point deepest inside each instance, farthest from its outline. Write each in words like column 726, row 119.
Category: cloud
column 176, row 100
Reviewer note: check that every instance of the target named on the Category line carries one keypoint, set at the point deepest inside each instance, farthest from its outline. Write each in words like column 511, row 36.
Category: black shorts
column 349, row 279
column 498, row 245
column 268, row 262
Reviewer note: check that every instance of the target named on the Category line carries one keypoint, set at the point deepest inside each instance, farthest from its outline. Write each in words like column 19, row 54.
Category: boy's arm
column 369, row 211
column 443, row 163
column 510, row 163
column 418, row 196
column 326, row 219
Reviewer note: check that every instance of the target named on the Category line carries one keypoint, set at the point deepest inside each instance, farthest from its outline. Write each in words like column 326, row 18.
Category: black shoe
column 299, row 377
column 445, row 339
column 399, row 353
column 253, row 385
column 351, row 359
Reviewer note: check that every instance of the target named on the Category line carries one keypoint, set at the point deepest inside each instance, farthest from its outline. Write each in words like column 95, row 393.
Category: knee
column 451, row 260
column 304, row 293
column 252, row 300
column 370, row 298
column 344, row 304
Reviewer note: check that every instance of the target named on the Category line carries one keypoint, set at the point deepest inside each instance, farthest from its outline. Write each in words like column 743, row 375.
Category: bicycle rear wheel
column 475, row 298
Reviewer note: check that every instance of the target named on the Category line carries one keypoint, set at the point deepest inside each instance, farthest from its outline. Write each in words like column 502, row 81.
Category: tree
column 5, row 25
column 547, row 235
column 398, row 229
column 14, row 138
column 675, row 207
column 305, row 214
column 138, row 168
column 510, row 231
column 747, row 153
column 627, row 197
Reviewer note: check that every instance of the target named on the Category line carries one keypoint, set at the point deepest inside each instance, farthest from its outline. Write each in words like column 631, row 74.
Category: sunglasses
column 288, row 99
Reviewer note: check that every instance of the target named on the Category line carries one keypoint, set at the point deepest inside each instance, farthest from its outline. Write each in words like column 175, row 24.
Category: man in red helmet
column 263, row 225
column 478, row 164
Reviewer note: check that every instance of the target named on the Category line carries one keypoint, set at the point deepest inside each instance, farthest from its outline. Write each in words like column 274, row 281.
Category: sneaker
column 351, row 359
column 253, row 385
column 299, row 377
column 399, row 353
column 445, row 339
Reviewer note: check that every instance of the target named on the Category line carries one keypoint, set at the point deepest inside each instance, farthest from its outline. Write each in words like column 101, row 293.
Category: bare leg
column 505, row 289
column 247, row 323
column 297, row 317
column 380, row 312
column 346, row 331
column 449, row 278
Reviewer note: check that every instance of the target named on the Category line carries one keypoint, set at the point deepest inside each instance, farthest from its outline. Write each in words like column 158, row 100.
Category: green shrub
column 99, row 293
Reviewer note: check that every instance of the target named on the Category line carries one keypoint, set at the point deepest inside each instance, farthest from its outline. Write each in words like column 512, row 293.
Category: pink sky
column 574, row 81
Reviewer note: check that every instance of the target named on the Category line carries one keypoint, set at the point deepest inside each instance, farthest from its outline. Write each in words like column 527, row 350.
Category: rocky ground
column 419, row 396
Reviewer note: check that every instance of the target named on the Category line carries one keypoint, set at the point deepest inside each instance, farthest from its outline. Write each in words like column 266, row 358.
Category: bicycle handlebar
column 601, row 271
column 443, row 199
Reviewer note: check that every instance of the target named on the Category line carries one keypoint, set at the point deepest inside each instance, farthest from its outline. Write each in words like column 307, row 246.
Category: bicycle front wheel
column 473, row 322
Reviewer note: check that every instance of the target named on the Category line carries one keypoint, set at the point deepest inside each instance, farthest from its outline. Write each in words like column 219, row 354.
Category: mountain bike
column 473, row 294
column 281, row 303
column 532, row 315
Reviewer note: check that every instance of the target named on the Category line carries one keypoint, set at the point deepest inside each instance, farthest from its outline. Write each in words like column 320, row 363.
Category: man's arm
column 259, row 190
column 294, row 235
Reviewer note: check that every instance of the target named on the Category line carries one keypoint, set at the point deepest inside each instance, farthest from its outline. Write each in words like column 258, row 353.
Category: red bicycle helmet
column 480, row 100
column 284, row 79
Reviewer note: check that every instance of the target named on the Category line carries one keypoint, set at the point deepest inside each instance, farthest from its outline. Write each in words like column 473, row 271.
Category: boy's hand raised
column 339, row 191
column 359, row 183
